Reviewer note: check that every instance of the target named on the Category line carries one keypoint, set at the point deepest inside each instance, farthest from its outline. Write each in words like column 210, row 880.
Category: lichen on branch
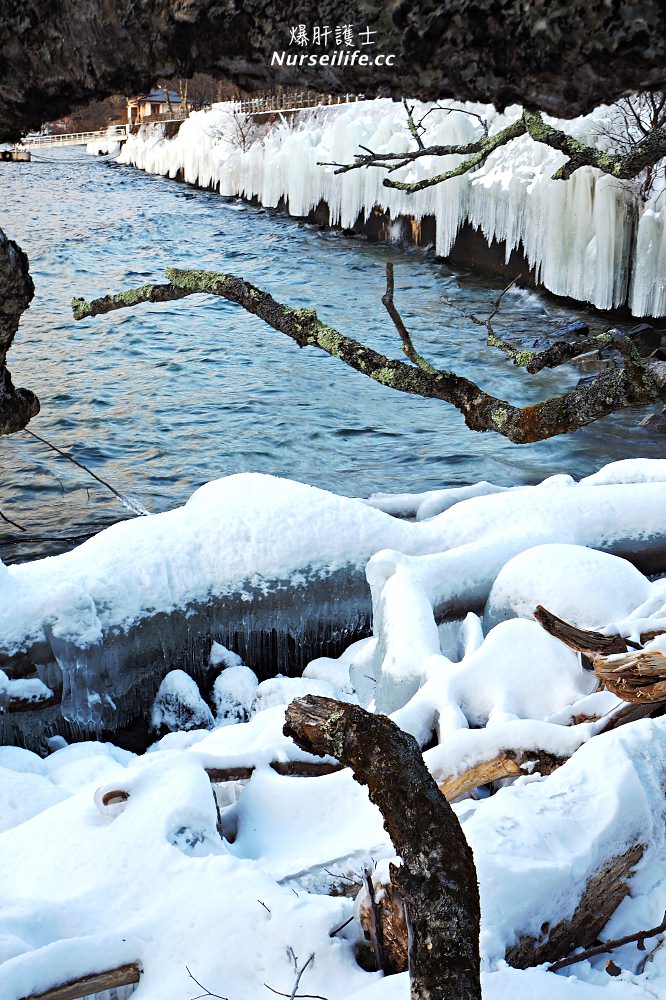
column 613, row 389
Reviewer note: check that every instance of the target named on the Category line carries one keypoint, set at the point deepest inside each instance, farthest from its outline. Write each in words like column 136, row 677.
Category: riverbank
column 140, row 865
column 158, row 400
column 591, row 238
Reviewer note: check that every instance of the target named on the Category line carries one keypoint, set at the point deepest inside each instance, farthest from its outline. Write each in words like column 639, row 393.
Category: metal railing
column 292, row 102
column 74, row 138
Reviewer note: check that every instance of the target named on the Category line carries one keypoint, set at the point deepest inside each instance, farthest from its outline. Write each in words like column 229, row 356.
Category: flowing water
column 159, row 399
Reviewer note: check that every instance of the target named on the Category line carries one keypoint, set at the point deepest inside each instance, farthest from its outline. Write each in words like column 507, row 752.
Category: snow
column 591, row 238
column 125, row 602
column 601, row 587
column 108, row 857
column 234, row 692
column 179, row 705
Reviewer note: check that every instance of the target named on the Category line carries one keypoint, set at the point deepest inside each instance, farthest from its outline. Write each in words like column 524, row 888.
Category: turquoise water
column 160, row 399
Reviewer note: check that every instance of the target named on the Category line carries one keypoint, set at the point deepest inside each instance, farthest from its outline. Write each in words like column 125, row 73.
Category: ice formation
column 108, row 858
column 111, row 617
column 591, row 238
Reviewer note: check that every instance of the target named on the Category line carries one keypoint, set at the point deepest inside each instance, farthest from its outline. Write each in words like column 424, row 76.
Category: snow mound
column 585, row 587
column 179, row 705
column 234, row 693
column 492, row 680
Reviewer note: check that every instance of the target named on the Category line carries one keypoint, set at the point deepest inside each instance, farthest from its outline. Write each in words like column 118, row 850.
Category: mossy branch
column 611, row 390
column 644, row 154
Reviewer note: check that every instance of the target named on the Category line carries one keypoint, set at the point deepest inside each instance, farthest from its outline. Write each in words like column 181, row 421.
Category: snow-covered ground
column 591, row 238
column 90, row 880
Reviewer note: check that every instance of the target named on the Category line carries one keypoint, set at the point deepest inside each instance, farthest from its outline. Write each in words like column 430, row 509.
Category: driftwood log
column 96, row 982
column 437, row 878
column 508, row 764
column 636, row 677
column 385, row 927
column 601, row 896
column 581, row 640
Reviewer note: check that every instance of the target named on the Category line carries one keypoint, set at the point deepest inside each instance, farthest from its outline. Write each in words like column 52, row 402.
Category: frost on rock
column 591, row 238
column 179, row 705
column 234, row 692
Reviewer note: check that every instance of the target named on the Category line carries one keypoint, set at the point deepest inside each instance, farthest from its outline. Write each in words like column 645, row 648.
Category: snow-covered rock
column 585, row 587
column 179, row 705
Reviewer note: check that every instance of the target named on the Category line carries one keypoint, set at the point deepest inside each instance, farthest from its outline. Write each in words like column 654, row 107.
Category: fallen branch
column 373, row 926
column 131, row 505
column 289, row 768
column 579, row 639
column 207, row 992
column 611, row 390
column 609, row 946
column 75, row 989
column 637, row 677
column 437, row 878
column 600, row 898
column 294, row 993
column 384, row 924
column 508, row 764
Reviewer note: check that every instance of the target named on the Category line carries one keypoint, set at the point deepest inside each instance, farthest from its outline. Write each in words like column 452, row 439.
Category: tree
column 437, row 878
column 639, row 381
column 642, row 152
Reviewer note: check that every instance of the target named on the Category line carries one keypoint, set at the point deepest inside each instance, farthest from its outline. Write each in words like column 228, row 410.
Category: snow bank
column 107, row 857
column 147, row 595
column 590, row 238
column 153, row 883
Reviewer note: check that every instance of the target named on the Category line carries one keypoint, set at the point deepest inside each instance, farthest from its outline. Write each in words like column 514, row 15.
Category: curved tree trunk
column 437, row 878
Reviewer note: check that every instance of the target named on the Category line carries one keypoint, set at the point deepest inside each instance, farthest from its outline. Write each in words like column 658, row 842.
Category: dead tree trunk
column 437, row 878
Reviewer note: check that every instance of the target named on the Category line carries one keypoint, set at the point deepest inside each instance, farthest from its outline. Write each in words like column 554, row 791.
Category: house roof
column 156, row 96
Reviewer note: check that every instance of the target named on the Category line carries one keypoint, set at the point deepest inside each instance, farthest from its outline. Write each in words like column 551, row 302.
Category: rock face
column 17, row 406
column 563, row 58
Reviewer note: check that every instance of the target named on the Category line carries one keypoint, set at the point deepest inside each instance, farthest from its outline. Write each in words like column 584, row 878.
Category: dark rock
column 645, row 338
column 17, row 406
column 563, row 58
column 575, row 328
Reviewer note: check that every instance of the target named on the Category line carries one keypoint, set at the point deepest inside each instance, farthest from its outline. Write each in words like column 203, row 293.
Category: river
column 160, row 399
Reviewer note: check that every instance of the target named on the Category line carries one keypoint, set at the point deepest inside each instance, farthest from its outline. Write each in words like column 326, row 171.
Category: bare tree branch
column 407, row 344
column 414, row 129
column 294, row 992
column 608, row 946
column 611, row 390
column 207, row 992
column 623, row 165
